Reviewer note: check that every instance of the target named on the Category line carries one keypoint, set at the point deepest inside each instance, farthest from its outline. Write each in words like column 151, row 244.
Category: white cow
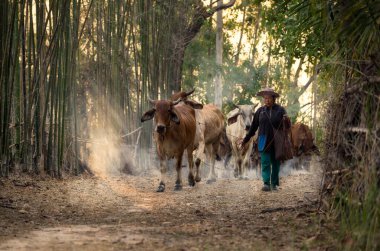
column 238, row 123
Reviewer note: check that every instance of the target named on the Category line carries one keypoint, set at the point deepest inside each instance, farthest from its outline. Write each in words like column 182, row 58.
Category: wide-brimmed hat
column 268, row 91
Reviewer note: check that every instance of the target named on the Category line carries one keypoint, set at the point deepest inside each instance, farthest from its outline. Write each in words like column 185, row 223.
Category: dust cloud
column 110, row 155
column 107, row 153
column 107, row 156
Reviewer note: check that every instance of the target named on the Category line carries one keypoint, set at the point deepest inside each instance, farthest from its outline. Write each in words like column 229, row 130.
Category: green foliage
column 199, row 67
column 359, row 219
column 292, row 26
column 241, row 82
column 246, row 76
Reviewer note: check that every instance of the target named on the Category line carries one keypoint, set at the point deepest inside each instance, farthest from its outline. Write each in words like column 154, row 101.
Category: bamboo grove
column 38, row 69
column 53, row 58
column 71, row 65
column 45, row 74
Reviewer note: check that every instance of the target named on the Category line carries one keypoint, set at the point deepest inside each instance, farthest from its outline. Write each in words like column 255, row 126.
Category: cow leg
column 236, row 167
column 163, row 168
column 301, row 161
column 245, row 166
column 199, row 157
column 178, row 183
column 197, row 172
column 307, row 162
column 200, row 153
column 211, row 156
column 297, row 163
column 190, row 178
column 240, row 166
column 227, row 160
column 304, row 162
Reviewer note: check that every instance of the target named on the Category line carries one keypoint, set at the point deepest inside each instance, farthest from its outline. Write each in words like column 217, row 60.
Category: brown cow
column 209, row 131
column 302, row 142
column 173, row 133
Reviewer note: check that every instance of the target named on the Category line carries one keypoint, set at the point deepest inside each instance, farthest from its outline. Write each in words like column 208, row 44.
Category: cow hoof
column 198, row 179
column 210, row 181
column 177, row 187
column 218, row 158
column 191, row 182
column 197, row 162
column 161, row 188
column 246, row 178
column 240, row 178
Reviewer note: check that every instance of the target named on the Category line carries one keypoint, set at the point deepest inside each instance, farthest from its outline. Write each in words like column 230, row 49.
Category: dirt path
column 125, row 213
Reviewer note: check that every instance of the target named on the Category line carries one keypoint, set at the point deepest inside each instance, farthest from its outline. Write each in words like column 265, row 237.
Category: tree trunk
column 256, row 31
column 298, row 71
column 267, row 74
column 219, row 58
column 200, row 16
column 238, row 49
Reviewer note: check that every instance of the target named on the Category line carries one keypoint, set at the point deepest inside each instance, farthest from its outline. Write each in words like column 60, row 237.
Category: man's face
column 268, row 100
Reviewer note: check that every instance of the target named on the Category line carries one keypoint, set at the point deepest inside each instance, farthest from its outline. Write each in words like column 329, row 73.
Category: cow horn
column 177, row 101
column 153, row 102
column 235, row 105
column 190, row 92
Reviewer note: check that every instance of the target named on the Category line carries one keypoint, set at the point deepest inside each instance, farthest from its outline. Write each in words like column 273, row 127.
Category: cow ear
column 174, row 117
column 254, row 107
column 148, row 115
column 232, row 119
column 232, row 116
column 235, row 106
column 194, row 104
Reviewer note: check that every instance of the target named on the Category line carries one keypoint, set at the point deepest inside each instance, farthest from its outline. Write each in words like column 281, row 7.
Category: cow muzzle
column 247, row 127
column 160, row 129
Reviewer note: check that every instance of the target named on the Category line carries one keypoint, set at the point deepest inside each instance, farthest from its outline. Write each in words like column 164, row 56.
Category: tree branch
column 223, row 6
column 311, row 80
column 241, row 36
column 85, row 20
column 359, row 86
column 298, row 71
column 201, row 14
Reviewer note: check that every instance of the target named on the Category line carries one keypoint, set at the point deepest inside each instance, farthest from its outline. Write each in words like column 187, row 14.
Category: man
column 267, row 118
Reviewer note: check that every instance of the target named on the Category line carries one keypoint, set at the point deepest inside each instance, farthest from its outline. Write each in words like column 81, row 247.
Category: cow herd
column 182, row 124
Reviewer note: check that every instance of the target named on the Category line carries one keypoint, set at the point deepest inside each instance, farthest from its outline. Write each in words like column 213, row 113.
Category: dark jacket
column 266, row 119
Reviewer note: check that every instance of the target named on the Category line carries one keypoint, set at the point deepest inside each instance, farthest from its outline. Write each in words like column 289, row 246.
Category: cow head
column 163, row 113
column 181, row 95
column 302, row 139
column 245, row 112
column 184, row 97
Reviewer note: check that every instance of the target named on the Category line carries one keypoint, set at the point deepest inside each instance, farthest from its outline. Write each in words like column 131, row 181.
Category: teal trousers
column 270, row 168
